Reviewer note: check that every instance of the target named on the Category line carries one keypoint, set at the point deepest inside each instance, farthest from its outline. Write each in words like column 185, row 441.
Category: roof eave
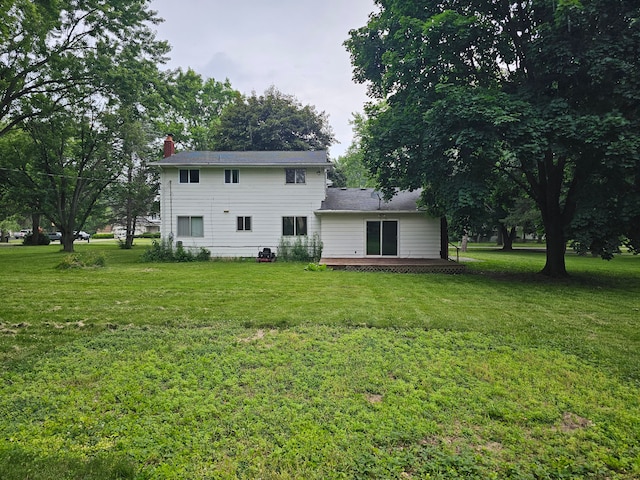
column 240, row 164
column 320, row 212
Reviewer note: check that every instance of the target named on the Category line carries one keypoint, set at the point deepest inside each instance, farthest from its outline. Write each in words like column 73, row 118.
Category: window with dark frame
column 244, row 224
column 189, row 176
column 295, row 175
column 232, row 175
column 294, row 226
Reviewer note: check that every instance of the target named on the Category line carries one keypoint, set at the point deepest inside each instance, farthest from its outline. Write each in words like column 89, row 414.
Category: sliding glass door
column 382, row 237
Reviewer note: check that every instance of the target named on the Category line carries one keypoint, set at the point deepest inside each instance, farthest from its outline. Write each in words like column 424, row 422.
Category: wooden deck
column 396, row 265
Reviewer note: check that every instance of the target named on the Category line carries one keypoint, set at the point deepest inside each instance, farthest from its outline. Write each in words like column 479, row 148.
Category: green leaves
column 71, row 47
column 190, row 108
column 273, row 121
column 75, row 76
column 552, row 86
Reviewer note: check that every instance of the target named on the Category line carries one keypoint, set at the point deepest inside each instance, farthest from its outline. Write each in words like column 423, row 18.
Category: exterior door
column 382, row 237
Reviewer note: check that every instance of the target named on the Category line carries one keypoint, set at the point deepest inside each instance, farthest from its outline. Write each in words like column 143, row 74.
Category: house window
column 244, row 223
column 294, row 226
column 190, row 227
column 231, row 176
column 295, row 175
column 189, row 176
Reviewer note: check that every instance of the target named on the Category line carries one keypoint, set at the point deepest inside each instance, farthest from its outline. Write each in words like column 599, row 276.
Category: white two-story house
column 237, row 203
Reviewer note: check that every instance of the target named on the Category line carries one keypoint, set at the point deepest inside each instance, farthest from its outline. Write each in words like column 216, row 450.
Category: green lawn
column 246, row 370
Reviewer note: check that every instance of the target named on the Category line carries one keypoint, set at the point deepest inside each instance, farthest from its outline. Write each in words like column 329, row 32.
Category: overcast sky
column 295, row 45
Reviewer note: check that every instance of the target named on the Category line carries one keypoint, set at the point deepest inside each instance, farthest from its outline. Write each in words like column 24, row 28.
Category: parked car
column 21, row 234
column 53, row 236
column 81, row 235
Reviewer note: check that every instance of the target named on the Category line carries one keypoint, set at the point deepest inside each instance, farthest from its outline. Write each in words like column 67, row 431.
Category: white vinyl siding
column 344, row 235
column 261, row 195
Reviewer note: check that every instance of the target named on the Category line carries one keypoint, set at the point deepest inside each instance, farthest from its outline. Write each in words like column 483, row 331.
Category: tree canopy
column 51, row 49
column 349, row 170
column 190, row 108
column 273, row 121
column 69, row 70
column 543, row 94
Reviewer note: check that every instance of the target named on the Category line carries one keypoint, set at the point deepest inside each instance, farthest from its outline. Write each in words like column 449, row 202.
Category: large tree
column 349, row 170
column 66, row 68
column 273, row 121
column 72, row 158
column 540, row 93
column 134, row 192
column 190, row 108
column 16, row 191
column 57, row 49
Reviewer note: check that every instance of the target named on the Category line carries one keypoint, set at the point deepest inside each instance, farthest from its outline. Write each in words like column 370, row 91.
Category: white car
column 22, row 234
column 81, row 235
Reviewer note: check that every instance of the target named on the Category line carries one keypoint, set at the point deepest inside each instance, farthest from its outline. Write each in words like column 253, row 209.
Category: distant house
column 144, row 224
column 236, row 203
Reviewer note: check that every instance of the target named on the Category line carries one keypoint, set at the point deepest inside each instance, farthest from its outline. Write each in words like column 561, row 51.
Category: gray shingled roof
column 368, row 200
column 298, row 158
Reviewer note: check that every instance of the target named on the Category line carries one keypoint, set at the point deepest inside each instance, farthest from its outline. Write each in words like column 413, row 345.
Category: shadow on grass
column 101, row 467
column 523, row 266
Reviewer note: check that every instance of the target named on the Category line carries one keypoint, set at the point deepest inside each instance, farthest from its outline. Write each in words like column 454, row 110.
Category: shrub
column 180, row 254
column 43, row 239
column 300, row 250
column 203, row 255
column 163, row 251
column 316, row 267
column 88, row 260
column 102, row 235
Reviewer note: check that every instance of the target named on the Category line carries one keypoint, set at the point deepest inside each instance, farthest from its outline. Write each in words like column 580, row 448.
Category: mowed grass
column 246, row 370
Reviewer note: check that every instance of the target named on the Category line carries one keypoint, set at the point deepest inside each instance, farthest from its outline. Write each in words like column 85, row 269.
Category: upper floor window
column 232, row 176
column 189, row 176
column 295, row 175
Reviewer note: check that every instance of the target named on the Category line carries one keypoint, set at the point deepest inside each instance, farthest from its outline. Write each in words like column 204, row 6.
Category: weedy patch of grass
column 23, row 465
column 247, row 370
column 81, row 261
column 321, row 401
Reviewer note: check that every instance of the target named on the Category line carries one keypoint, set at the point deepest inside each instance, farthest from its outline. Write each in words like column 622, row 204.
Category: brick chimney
column 169, row 146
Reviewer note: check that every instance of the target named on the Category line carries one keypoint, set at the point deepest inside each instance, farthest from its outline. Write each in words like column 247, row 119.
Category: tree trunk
column 507, row 237
column 444, row 239
column 67, row 242
column 131, row 230
column 549, row 188
column 35, row 228
column 556, row 245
